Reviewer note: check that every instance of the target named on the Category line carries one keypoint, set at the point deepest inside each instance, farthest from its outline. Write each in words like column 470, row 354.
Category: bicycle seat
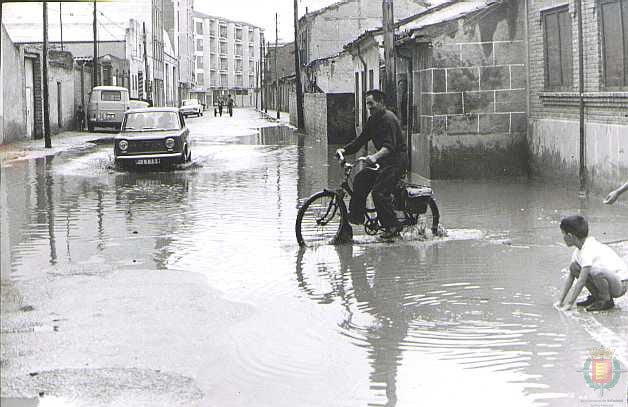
column 415, row 191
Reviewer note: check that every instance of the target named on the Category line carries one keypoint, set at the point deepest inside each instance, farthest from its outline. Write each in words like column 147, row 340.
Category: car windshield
column 147, row 121
column 188, row 102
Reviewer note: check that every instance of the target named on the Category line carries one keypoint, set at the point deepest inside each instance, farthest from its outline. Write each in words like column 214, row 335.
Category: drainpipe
column 409, row 97
column 528, row 86
column 582, row 170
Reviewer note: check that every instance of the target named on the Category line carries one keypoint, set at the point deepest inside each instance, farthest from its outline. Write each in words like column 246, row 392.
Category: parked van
column 106, row 108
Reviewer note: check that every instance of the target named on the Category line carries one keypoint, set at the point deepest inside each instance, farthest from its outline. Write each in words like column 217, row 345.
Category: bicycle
column 323, row 216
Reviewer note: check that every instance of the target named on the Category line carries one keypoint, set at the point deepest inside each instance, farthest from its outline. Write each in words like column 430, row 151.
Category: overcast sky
column 256, row 12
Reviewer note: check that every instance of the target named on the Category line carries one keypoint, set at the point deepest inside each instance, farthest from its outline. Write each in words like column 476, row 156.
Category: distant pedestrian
column 593, row 265
column 80, row 118
column 220, row 103
column 230, row 105
column 613, row 195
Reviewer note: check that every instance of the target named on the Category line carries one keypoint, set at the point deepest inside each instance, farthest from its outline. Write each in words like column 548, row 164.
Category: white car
column 191, row 107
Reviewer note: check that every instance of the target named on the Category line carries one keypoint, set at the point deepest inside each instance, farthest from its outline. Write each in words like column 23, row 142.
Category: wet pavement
column 187, row 287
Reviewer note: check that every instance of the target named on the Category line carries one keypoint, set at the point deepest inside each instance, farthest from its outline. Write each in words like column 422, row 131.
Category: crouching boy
column 594, row 266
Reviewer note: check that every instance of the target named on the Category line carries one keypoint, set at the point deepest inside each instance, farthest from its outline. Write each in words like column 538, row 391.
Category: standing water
column 137, row 280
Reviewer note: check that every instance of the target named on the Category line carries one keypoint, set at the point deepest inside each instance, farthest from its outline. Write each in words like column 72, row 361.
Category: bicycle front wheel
column 320, row 218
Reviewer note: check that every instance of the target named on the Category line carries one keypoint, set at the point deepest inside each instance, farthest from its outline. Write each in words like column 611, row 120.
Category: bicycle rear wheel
column 430, row 220
column 320, row 218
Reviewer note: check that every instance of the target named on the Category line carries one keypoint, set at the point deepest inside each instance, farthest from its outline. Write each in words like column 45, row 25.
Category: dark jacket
column 384, row 130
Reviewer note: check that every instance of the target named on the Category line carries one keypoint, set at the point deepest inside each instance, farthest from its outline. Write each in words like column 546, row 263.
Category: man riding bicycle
column 384, row 130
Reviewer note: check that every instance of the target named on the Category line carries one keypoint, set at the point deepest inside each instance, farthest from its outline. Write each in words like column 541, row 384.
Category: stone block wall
column 554, row 116
column 315, row 114
column 473, row 95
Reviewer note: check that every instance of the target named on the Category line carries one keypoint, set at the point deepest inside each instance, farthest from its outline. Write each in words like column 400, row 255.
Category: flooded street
column 187, row 287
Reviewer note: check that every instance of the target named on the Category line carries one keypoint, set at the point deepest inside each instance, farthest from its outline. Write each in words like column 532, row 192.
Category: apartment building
column 226, row 54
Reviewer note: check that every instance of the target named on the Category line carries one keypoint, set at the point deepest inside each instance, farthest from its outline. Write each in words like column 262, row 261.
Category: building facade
column 554, row 130
column 226, row 57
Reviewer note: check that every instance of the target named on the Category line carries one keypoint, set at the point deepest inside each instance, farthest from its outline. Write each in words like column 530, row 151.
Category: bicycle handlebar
column 343, row 162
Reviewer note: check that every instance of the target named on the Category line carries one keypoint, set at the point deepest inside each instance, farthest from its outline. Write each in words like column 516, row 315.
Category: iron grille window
column 199, row 45
column 558, row 49
column 614, row 17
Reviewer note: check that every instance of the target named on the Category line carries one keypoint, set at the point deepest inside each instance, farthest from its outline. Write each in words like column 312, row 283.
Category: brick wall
column 472, row 95
column 554, row 116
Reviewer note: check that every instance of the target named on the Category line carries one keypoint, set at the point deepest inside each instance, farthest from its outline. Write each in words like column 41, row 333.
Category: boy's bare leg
column 606, row 284
column 600, row 286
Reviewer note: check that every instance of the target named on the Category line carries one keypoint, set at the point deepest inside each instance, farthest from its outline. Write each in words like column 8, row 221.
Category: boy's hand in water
column 611, row 198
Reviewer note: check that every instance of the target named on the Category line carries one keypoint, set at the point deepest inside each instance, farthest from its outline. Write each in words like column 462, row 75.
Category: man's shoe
column 585, row 303
column 345, row 236
column 356, row 221
column 601, row 305
column 391, row 232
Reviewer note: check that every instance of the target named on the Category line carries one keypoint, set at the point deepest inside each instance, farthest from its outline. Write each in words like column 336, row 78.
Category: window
column 558, row 49
column 239, row 82
column 200, row 78
column 223, row 48
column 224, row 64
column 251, row 66
column 223, row 31
column 199, row 62
column 199, row 27
column 238, row 65
column 111, row 95
column 251, row 81
column 251, row 51
column 238, row 34
column 614, row 16
column 223, row 80
column 199, row 44
column 238, row 49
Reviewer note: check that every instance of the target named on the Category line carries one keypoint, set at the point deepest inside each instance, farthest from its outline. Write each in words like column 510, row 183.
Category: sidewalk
column 284, row 117
column 66, row 140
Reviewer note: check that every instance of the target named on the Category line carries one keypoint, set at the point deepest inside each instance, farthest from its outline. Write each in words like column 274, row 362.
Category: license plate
column 110, row 116
column 147, row 161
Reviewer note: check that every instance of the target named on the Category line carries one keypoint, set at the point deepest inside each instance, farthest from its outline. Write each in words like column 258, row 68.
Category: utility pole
column 276, row 72
column 265, row 78
column 95, row 61
column 47, row 142
column 261, row 72
column 297, row 70
column 61, row 24
column 388, row 23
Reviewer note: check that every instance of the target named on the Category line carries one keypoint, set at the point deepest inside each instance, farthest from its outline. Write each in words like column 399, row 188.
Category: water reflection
column 411, row 304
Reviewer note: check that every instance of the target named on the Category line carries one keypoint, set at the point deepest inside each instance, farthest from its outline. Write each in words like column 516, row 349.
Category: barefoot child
column 594, row 266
